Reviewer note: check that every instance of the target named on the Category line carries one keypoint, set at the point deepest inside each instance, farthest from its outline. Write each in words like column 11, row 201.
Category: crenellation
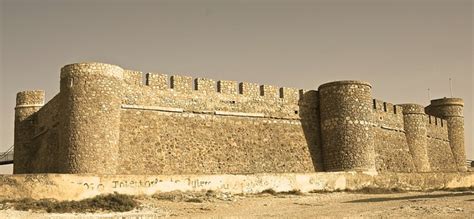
column 389, row 107
column 205, row 85
column 227, row 87
column 157, row 81
column 176, row 126
column 182, row 84
column 398, row 109
column 290, row 94
column 133, row 77
column 269, row 91
column 378, row 105
column 249, row 89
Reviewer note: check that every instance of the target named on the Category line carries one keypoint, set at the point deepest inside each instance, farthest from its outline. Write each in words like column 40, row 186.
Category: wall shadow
column 310, row 121
column 428, row 196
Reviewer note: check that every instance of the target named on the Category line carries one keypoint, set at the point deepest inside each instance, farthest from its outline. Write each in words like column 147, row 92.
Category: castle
column 107, row 120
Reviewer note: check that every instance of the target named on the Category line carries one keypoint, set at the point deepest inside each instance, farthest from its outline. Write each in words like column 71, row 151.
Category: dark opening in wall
column 241, row 88
column 195, row 84
column 385, row 107
column 296, row 111
column 147, row 79
column 144, row 78
column 374, row 103
column 219, row 87
column 172, row 82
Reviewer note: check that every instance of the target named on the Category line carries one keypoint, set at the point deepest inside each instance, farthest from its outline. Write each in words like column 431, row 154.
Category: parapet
column 435, row 121
column 205, row 85
column 446, row 107
column 381, row 106
column 447, row 101
column 227, row 87
column 92, row 68
column 32, row 98
column 411, row 108
column 157, row 81
column 351, row 82
column 181, row 83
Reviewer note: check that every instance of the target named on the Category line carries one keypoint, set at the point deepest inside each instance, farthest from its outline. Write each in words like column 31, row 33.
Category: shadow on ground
column 385, row 199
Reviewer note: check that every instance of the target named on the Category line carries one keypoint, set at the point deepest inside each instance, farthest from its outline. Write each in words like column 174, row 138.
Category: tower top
column 447, row 101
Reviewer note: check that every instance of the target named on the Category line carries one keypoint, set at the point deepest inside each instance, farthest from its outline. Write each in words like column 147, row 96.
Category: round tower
column 27, row 104
column 415, row 120
column 451, row 109
column 347, row 126
column 91, row 97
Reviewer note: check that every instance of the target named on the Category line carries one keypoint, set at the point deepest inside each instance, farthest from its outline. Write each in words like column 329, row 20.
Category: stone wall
column 347, row 126
column 439, row 150
column 81, row 186
column 391, row 146
column 109, row 120
column 45, row 148
column 216, row 127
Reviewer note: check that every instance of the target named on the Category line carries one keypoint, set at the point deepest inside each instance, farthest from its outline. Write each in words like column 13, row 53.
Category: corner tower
column 27, row 104
column 415, row 120
column 91, row 94
column 451, row 109
column 347, row 126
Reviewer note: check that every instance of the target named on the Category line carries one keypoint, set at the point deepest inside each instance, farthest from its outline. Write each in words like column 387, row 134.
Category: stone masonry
column 107, row 120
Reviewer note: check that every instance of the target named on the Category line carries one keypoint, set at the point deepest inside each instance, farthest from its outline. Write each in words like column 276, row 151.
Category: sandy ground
column 340, row 204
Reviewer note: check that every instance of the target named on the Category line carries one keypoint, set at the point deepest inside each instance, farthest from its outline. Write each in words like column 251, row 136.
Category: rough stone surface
column 107, row 120
column 347, row 126
column 416, row 132
column 451, row 110
column 77, row 187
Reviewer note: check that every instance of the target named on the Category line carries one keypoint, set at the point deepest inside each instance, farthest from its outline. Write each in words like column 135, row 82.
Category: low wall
column 76, row 187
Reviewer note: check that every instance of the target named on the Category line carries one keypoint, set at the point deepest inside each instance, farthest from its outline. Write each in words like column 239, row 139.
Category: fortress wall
column 439, row 152
column 201, row 95
column 391, row 147
column 45, row 141
column 27, row 104
column 158, row 124
column 203, row 126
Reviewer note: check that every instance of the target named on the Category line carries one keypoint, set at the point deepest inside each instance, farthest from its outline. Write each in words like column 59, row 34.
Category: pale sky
column 401, row 47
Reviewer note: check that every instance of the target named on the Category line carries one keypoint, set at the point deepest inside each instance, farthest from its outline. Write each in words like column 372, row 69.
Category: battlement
column 447, row 101
column 382, row 106
column 187, row 84
column 436, row 121
column 32, row 98
column 411, row 108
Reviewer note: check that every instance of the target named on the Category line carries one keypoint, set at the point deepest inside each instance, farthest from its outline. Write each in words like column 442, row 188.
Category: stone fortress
column 107, row 120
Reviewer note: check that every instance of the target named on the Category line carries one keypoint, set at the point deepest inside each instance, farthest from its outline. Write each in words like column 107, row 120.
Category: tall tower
column 91, row 94
column 27, row 103
column 347, row 126
column 415, row 120
column 451, row 109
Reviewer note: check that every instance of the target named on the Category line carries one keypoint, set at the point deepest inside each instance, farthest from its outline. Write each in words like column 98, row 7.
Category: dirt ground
column 440, row 204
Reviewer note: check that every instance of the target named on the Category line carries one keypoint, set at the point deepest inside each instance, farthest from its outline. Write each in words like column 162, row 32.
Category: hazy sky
column 402, row 47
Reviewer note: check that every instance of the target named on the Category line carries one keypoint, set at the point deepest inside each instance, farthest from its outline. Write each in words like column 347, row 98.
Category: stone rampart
column 391, row 146
column 107, row 120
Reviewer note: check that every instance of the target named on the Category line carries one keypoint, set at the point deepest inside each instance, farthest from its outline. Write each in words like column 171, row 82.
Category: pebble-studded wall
column 107, row 120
